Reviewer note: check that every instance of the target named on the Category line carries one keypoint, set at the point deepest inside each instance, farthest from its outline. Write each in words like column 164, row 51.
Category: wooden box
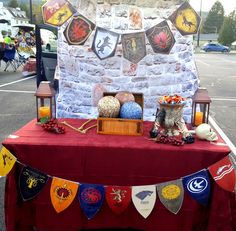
column 119, row 126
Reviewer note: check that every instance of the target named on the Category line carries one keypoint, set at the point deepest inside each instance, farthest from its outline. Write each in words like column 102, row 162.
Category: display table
column 112, row 160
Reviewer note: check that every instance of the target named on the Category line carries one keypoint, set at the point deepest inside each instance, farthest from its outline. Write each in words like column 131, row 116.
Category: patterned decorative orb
column 124, row 96
column 108, row 106
column 131, row 110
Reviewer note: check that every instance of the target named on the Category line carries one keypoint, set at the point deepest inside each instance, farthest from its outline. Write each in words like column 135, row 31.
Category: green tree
column 13, row 4
column 215, row 19
column 227, row 33
column 25, row 8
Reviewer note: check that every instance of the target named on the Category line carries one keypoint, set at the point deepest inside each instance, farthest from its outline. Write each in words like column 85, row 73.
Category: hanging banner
column 198, row 186
column 57, row 12
column 144, row 198
column 171, row 195
column 78, row 30
column 118, row 198
column 31, row 182
column 224, row 174
column 91, row 198
column 7, row 161
column 134, row 46
column 185, row 19
column 62, row 193
column 104, row 43
column 161, row 38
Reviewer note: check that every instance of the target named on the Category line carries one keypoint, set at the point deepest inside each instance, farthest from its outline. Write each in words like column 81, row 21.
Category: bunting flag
column 104, row 43
column 57, row 12
column 223, row 173
column 134, row 46
column 118, row 198
column 31, row 182
column 171, row 195
column 62, row 193
column 91, row 198
column 198, row 186
column 78, row 30
column 161, row 38
column 185, row 19
column 144, row 198
column 7, row 161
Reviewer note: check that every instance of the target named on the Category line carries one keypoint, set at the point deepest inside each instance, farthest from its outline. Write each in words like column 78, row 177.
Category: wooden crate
column 118, row 126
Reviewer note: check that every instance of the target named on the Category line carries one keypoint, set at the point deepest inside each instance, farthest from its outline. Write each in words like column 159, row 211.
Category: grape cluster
column 169, row 140
column 53, row 126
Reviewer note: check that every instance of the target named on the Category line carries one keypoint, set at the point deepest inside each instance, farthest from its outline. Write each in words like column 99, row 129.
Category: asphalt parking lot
column 216, row 72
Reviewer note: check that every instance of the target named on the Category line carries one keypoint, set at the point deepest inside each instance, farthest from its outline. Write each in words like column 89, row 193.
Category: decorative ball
column 131, row 110
column 124, row 96
column 108, row 106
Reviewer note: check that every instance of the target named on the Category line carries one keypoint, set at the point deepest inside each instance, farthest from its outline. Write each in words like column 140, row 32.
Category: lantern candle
column 44, row 112
column 198, row 118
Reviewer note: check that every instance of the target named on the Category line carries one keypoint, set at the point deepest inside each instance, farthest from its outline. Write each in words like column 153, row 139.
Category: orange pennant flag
column 62, row 193
column 7, row 161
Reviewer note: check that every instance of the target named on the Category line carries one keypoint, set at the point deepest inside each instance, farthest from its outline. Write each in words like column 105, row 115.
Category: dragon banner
column 160, row 38
column 104, row 43
column 78, row 30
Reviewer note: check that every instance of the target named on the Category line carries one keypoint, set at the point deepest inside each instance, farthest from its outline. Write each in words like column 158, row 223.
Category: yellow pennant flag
column 62, row 193
column 7, row 161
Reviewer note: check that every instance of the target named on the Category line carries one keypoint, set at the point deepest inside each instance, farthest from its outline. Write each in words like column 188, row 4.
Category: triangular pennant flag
column 171, row 195
column 224, row 174
column 91, row 198
column 62, row 193
column 31, row 182
column 134, row 46
column 104, row 43
column 118, row 198
column 78, row 30
column 198, row 186
column 57, row 12
column 185, row 19
column 144, row 198
column 160, row 38
column 7, row 161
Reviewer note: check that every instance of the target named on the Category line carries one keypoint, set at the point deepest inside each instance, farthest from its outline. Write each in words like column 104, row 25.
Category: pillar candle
column 44, row 112
column 198, row 118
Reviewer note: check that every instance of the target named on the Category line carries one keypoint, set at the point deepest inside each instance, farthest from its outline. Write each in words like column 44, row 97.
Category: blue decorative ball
column 131, row 110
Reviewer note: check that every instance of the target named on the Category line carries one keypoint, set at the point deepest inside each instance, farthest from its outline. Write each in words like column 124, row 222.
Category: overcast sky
column 229, row 5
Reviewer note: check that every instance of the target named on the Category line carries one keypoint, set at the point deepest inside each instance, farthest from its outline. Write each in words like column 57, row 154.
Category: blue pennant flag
column 198, row 186
column 91, row 198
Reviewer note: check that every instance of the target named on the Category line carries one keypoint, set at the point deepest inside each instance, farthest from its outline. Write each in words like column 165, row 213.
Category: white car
column 49, row 40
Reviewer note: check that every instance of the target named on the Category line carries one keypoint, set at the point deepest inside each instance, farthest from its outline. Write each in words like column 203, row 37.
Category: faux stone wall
column 83, row 77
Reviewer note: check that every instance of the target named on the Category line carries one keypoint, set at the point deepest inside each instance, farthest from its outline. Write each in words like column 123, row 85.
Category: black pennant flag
column 31, row 182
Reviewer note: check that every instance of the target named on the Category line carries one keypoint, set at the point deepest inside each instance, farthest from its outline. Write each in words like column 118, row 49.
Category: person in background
column 7, row 39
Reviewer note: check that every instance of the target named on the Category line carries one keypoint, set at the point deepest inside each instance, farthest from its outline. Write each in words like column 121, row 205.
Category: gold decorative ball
column 124, row 96
column 108, row 106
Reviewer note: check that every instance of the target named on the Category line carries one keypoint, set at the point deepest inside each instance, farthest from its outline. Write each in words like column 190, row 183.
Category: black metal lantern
column 200, row 107
column 45, row 101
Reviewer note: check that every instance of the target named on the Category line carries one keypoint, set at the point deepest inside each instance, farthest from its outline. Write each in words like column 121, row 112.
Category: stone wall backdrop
column 84, row 77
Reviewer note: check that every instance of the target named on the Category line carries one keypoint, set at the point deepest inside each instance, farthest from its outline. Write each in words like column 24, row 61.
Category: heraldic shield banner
column 118, row 198
column 161, row 38
column 171, row 195
column 31, row 182
column 134, row 46
column 7, row 161
column 198, row 186
column 185, row 19
column 57, row 12
column 104, row 43
column 78, row 30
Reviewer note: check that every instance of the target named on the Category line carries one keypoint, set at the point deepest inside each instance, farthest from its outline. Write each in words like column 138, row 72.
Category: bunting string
column 91, row 196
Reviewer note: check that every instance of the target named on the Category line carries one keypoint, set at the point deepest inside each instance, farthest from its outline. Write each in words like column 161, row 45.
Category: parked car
column 49, row 40
column 215, row 47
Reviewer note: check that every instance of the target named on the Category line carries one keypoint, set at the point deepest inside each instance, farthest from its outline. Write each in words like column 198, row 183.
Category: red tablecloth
column 112, row 160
